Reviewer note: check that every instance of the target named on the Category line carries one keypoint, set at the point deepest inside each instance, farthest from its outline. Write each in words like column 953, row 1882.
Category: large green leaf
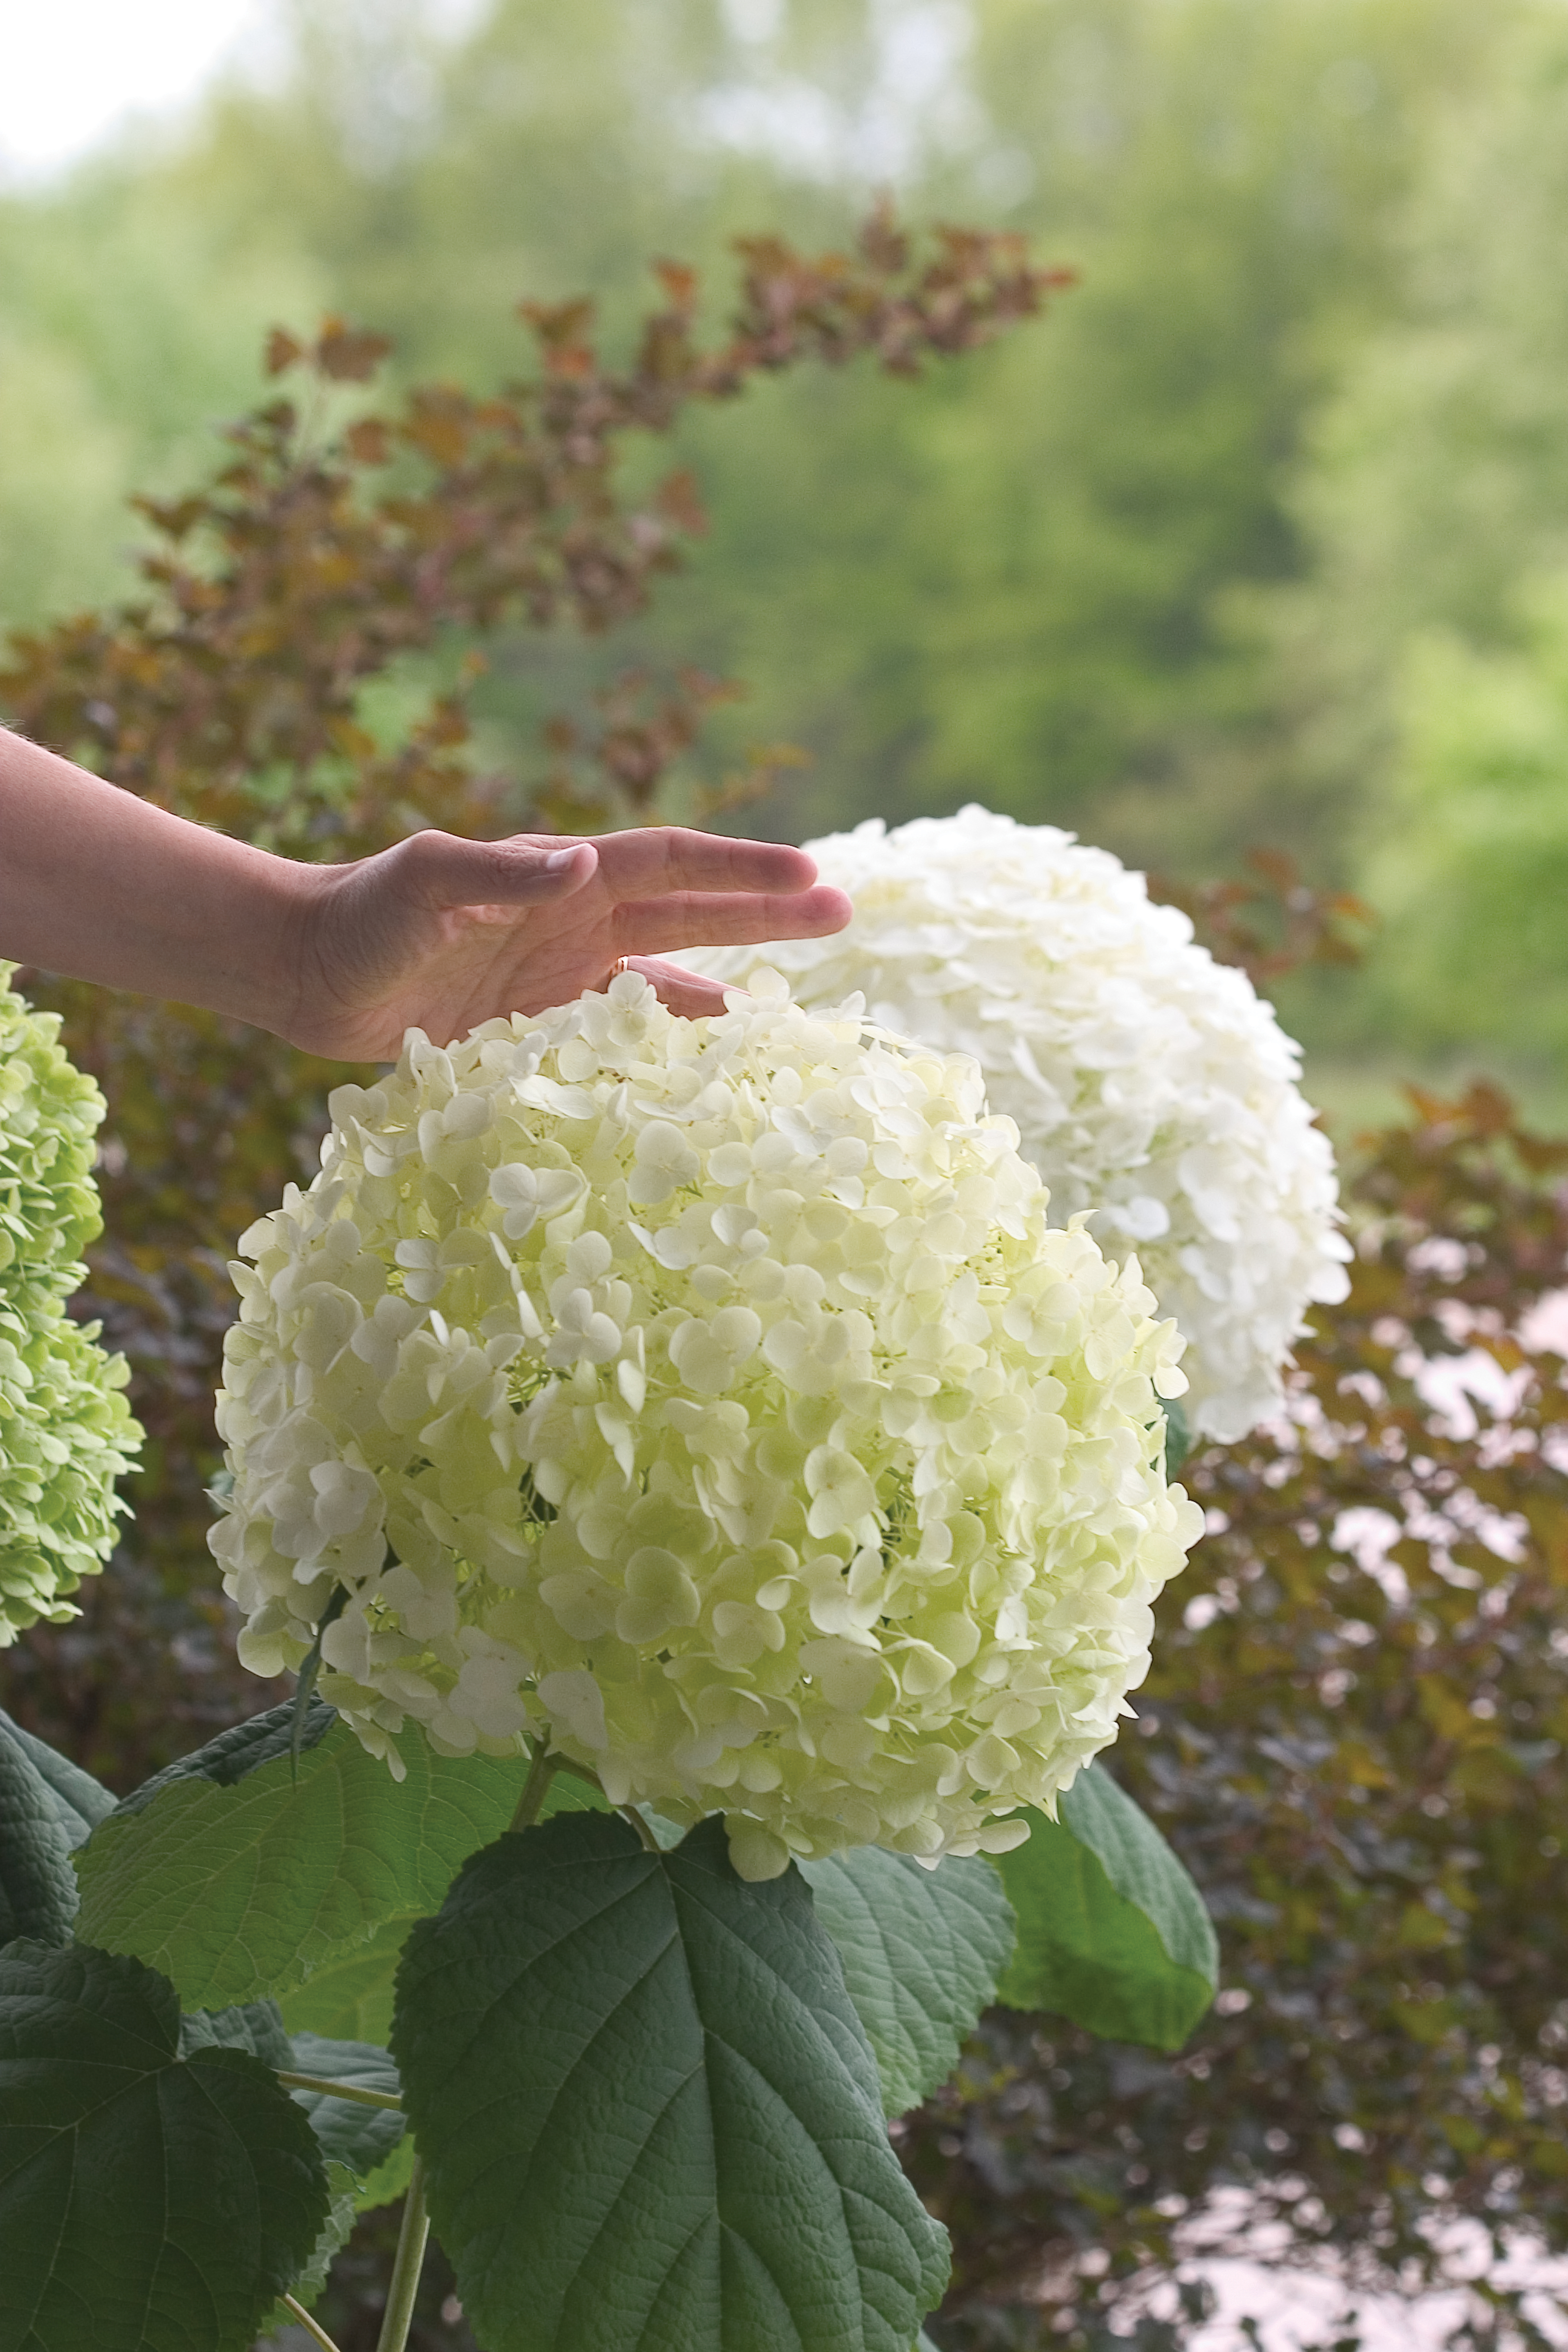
column 148, row 2202
column 242, row 1889
column 349, row 1996
column 922, row 1952
column 650, row 2115
column 38, row 1885
column 1113, row 1932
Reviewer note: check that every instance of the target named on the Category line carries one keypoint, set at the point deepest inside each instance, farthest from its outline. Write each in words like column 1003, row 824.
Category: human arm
column 437, row 933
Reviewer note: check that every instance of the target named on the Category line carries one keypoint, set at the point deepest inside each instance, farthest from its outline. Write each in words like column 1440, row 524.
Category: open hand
column 440, row 934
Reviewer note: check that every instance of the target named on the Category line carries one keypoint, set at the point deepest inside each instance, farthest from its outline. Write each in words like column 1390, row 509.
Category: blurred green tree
column 1468, row 856
column 1027, row 591
column 1415, row 661
column 129, row 324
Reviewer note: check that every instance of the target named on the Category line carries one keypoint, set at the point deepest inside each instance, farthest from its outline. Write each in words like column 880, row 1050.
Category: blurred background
column 1257, row 539
column 1260, row 539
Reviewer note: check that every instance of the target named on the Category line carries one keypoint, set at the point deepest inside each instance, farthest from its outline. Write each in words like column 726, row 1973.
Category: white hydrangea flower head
column 713, row 1398
column 1150, row 1085
column 66, row 1431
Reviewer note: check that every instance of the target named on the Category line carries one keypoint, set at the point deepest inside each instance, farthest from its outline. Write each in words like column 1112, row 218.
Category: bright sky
column 71, row 70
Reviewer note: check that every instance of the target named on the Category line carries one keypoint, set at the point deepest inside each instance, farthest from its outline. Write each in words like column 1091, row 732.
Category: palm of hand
column 440, row 934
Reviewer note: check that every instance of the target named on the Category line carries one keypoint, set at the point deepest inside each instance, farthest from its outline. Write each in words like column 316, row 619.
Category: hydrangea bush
column 1150, row 1086
column 66, row 1431
column 714, row 1398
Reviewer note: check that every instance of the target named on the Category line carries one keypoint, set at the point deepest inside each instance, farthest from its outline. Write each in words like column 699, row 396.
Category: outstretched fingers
column 660, row 861
column 688, row 919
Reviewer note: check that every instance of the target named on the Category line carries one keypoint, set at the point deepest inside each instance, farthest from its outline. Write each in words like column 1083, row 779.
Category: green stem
column 400, row 2295
column 339, row 2090
column 535, row 1789
column 308, row 2324
column 631, row 1813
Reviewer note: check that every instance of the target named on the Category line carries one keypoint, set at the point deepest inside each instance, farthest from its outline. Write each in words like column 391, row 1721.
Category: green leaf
column 650, row 2115
column 148, row 2202
column 922, row 1951
column 389, row 2181
column 38, row 1885
column 349, row 1996
column 80, row 1800
column 258, row 2027
column 343, row 2210
column 1113, row 1932
column 360, row 2136
column 234, row 1753
column 241, row 1887
column 1179, row 1438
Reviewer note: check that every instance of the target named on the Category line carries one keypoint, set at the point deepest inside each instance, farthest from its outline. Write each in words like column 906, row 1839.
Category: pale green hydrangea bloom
column 712, row 1399
column 65, row 1431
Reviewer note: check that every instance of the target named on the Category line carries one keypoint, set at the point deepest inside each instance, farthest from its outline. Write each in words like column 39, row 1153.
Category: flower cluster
column 714, row 1399
column 1150, row 1085
column 65, row 1431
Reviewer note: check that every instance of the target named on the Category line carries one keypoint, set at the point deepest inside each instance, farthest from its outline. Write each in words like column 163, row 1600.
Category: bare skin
column 438, row 933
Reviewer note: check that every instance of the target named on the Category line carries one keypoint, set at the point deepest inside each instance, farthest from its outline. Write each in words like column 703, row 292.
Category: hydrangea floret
column 1150, row 1085
column 714, row 1400
column 66, row 1431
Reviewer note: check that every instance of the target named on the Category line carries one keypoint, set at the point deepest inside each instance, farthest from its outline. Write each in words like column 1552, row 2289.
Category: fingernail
column 560, row 857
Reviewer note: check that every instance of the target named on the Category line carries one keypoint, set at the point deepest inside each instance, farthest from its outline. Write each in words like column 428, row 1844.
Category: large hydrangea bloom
column 65, row 1431
column 713, row 1398
column 1150, row 1085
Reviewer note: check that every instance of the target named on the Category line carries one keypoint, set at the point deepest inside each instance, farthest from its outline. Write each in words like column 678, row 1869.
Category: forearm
column 101, row 886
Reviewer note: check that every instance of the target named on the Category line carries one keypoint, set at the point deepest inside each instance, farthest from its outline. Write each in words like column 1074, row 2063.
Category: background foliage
column 1155, row 573
column 1258, row 538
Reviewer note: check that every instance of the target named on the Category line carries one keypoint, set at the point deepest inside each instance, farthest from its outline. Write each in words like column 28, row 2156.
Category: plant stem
column 631, row 1813
column 339, row 2090
column 308, row 2323
column 406, row 2269
column 535, row 1789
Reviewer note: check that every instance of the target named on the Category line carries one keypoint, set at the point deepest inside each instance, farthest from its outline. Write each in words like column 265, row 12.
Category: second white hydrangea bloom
column 1148, row 1084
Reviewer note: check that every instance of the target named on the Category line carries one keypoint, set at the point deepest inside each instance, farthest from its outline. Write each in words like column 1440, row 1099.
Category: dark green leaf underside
column 258, row 2027
column 350, row 2133
column 80, row 1800
column 38, row 1885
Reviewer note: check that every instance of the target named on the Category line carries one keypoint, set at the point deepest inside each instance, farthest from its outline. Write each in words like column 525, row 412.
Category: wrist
column 281, row 978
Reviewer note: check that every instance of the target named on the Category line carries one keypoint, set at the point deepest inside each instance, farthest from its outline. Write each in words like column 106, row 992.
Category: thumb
column 443, row 871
